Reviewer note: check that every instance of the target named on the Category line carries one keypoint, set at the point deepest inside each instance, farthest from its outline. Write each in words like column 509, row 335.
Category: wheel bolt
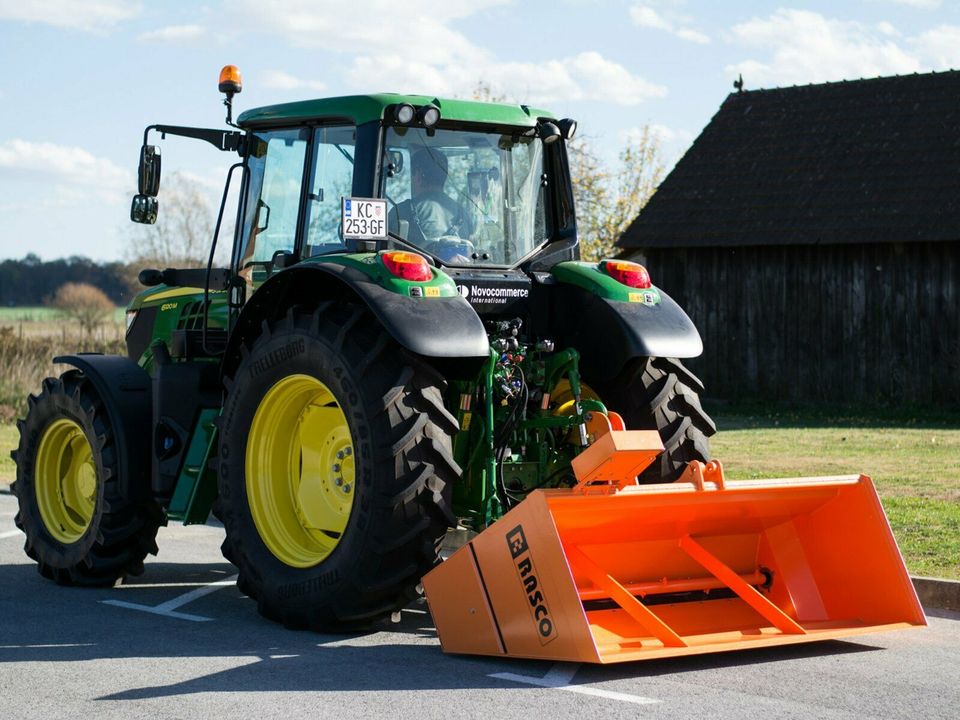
column 346, row 488
column 348, row 451
column 339, row 454
column 336, row 467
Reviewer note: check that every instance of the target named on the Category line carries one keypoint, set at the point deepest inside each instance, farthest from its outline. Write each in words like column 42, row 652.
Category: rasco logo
column 527, row 571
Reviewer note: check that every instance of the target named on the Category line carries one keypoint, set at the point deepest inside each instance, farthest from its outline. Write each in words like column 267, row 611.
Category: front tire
column 336, row 469
column 83, row 526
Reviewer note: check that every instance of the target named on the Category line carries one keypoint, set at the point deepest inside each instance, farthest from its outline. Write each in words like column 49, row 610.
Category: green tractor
column 405, row 341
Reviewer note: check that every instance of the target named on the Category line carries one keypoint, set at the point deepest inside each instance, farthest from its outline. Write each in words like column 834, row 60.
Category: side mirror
column 149, row 172
column 144, row 209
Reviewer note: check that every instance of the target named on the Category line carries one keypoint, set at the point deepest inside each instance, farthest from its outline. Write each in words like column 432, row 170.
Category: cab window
column 275, row 164
column 331, row 179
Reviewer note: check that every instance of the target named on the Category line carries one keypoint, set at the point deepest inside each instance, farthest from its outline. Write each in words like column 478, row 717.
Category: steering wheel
column 449, row 247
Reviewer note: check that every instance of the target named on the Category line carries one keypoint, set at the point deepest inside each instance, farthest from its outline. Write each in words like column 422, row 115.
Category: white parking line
column 167, row 609
column 559, row 678
column 46, row 646
column 10, row 533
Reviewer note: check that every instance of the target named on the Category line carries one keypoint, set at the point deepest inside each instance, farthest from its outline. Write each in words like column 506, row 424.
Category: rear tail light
column 407, row 266
column 628, row 273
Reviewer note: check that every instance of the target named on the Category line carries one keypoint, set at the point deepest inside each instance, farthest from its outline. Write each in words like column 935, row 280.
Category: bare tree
column 83, row 303
column 484, row 92
column 183, row 232
column 607, row 201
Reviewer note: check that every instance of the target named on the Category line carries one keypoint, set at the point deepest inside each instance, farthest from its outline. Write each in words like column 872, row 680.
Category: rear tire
column 82, row 526
column 399, row 435
column 661, row 394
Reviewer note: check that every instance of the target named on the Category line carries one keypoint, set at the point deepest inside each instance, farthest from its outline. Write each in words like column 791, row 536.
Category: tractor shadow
column 41, row 622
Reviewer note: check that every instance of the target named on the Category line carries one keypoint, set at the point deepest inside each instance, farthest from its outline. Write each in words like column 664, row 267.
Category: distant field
column 27, row 314
column 30, row 337
column 43, row 315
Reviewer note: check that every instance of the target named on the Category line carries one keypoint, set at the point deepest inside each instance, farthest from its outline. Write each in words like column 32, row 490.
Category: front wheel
column 661, row 394
column 85, row 523
column 335, row 470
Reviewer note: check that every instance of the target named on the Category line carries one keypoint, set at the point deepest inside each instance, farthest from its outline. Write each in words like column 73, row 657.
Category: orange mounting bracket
column 700, row 473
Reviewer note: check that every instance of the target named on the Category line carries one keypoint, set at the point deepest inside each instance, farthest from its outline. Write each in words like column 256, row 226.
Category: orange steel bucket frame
column 611, row 571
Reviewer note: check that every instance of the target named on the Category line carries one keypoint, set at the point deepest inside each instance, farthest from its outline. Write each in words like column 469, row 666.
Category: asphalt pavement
column 180, row 641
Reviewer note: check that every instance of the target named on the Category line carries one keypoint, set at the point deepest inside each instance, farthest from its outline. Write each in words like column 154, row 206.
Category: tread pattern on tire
column 410, row 508
column 661, row 394
column 123, row 529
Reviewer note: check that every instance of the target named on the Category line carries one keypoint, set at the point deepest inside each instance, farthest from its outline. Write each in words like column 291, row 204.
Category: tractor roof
column 364, row 108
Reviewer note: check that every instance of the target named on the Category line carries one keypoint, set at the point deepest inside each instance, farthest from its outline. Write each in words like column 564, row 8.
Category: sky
column 81, row 78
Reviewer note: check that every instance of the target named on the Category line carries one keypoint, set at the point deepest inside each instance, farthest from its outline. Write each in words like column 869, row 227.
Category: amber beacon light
column 230, row 84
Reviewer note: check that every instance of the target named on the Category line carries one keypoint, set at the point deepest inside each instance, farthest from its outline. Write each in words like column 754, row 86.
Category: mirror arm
column 225, row 140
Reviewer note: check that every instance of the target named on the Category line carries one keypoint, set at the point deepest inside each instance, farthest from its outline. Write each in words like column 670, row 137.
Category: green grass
column 11, row 315
column 9, row 437
column 916, row 470
column 15, row 315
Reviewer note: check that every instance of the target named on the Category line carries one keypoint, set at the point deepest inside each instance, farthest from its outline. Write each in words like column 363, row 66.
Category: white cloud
column 71, row 171
column 888, row 29
column 648, row 17
column 88, row 15
column 411, row 47
column 672, row 136
column 921, row 4
column 806, row 47
column 393, row 72
column 940, row 46
column 211, row 182
column 671, row 139
column 606, row 81
column 174, row 33
column 417, row 27
column 587, row 76
column 279, row 80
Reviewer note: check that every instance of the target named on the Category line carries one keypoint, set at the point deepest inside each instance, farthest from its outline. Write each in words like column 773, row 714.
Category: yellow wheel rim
column 300, row 471
column 65, row 478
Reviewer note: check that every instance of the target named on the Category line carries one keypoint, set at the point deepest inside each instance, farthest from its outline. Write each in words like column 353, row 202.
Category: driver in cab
column 430, row 212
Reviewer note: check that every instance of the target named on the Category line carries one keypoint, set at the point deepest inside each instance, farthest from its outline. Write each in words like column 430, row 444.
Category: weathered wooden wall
column 875, row 323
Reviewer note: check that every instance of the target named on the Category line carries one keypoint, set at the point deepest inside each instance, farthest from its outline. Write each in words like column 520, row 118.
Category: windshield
column 466, row 197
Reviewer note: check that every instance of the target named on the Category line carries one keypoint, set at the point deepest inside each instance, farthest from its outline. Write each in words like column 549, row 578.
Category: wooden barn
column 813, row 235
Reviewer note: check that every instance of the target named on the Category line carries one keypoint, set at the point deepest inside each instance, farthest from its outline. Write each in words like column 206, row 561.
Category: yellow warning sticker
column 465, row 422
column 635, row 297
column 433, row 291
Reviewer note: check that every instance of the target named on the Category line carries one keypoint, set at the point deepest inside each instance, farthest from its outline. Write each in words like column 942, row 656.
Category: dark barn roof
column 848, row 162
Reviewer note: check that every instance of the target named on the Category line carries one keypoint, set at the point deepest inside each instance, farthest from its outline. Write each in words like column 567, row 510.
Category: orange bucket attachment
column 611, row 571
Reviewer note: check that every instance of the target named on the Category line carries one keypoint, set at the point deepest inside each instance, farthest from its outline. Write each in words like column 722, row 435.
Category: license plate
column 364, row 219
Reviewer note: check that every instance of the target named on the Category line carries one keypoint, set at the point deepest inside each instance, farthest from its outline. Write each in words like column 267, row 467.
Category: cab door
column 276, row 161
